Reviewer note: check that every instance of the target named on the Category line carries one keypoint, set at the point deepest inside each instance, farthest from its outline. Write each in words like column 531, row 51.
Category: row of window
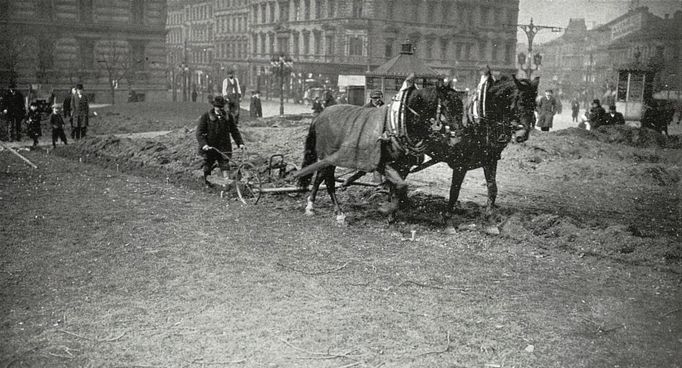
column 46, row 10
column 271, row 12
column 198, row 12
column 432, row 12
column 233, row 49
column 226, row 4
column 231, row 23
column 310, row 43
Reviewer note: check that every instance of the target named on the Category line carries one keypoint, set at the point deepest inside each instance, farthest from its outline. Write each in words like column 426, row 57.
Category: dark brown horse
column 364, row 139
column 502, row 112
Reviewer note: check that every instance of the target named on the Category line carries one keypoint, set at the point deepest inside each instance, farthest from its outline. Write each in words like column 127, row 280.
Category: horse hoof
column 388, row 208
column 492, row 230
column 341, row 220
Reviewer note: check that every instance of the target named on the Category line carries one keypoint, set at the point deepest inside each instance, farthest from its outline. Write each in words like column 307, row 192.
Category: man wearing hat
column 57, row 124
column 614, row 117
column 596, row 115
column 255, row 108
column 80, row 110
column 375, row 99
column 547, row 107
column 14, row 110
column 232, row 92
column 213, row 135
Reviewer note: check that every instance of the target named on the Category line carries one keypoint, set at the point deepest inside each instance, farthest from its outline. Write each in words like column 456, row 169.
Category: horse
column 366, row 139
column 502, row 112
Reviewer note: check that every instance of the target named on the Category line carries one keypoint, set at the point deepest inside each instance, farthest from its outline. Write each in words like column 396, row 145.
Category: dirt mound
column 286, row 121
column 176, row 152
column 620, row 242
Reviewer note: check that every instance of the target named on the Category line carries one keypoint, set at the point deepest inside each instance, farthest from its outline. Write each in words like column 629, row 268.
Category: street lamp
column 281, row 63
column 531, row 30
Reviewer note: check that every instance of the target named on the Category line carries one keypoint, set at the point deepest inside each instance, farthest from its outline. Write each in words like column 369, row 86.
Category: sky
column 558, row 12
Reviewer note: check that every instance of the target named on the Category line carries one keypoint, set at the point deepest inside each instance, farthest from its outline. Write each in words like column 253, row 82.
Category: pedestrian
column 614, row 117
column 317, row 106
column 214, row 129
column 596, row 115
column 546, row 108
column 14, row 109
column 232, row 92
column 375, row 99
column 33, row 118
column 80, row 109
column 255, row 108
column 575, row 109
column 57, row 123
column 67, row 110
column 194, row 94
column 329, row 99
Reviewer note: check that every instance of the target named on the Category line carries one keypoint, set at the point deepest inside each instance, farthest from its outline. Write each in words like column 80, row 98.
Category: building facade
column 111, row 47
column 585, row 62
column 330, row 37
column 325, row 38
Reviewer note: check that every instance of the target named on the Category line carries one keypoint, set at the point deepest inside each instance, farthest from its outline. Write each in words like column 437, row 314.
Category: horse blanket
column 350, row 136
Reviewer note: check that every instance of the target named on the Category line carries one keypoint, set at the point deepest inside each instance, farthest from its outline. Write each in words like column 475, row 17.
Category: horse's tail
column 309, row 156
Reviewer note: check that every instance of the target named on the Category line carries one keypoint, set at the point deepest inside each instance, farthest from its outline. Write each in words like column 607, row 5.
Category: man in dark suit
column 14, row 109
column 613, row 117
column 213, row 135
column 80, row 110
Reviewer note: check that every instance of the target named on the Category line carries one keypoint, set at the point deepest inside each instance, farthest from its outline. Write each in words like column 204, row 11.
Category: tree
column 117, row 64
column 13, row 46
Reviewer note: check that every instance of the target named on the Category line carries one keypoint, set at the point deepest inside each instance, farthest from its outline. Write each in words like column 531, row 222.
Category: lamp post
column 281, row 63
column 531, row 30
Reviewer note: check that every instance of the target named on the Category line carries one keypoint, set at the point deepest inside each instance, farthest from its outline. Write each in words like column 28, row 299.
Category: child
column 57, row 123
column 33, row 121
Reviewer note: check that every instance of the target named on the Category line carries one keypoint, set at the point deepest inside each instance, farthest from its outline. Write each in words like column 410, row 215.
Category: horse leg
column 330, row 182
column 458, row 174
column 490, row 171
column 310, row 201
column 398, row 190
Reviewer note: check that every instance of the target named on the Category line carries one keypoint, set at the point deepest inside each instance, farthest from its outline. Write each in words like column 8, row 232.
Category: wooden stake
column 19, row 155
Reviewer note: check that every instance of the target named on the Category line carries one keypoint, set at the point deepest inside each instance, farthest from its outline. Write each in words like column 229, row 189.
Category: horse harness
column 396, row 131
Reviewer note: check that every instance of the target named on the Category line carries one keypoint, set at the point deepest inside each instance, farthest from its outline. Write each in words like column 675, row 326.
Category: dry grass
column 103, row 269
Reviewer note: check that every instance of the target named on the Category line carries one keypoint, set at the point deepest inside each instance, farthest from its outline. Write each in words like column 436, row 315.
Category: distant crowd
column 75, row 108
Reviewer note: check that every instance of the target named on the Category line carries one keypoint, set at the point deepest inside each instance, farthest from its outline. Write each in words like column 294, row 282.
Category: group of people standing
column 76, row 108
column 548, row 106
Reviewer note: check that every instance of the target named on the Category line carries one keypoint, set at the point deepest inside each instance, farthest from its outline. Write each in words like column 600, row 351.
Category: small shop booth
column 389, row 77
column 635, row 88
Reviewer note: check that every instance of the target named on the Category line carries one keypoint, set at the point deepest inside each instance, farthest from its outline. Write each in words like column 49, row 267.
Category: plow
column 251, row 182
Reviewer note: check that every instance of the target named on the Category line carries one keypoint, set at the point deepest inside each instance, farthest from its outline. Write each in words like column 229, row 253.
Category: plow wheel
column 248, row 183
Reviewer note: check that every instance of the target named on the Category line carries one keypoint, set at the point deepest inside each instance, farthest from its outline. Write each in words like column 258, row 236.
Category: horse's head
column 433, row 111
column 522, row 106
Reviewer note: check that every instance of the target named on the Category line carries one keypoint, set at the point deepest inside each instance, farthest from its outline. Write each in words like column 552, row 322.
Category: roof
column 401, row 66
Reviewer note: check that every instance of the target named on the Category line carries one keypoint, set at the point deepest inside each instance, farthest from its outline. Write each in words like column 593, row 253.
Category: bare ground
column 104, row 269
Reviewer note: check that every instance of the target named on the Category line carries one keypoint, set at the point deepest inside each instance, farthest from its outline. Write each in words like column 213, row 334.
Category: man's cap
column 596, row 101
column 12, row 85
column 411, row 77
column 257, row 91
column 58, row 107
column 549, row 90
column 219, row 101
column 376, row 94
column 33, row 103
column 79, row 86
column 612, row 107
column 231, row 71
